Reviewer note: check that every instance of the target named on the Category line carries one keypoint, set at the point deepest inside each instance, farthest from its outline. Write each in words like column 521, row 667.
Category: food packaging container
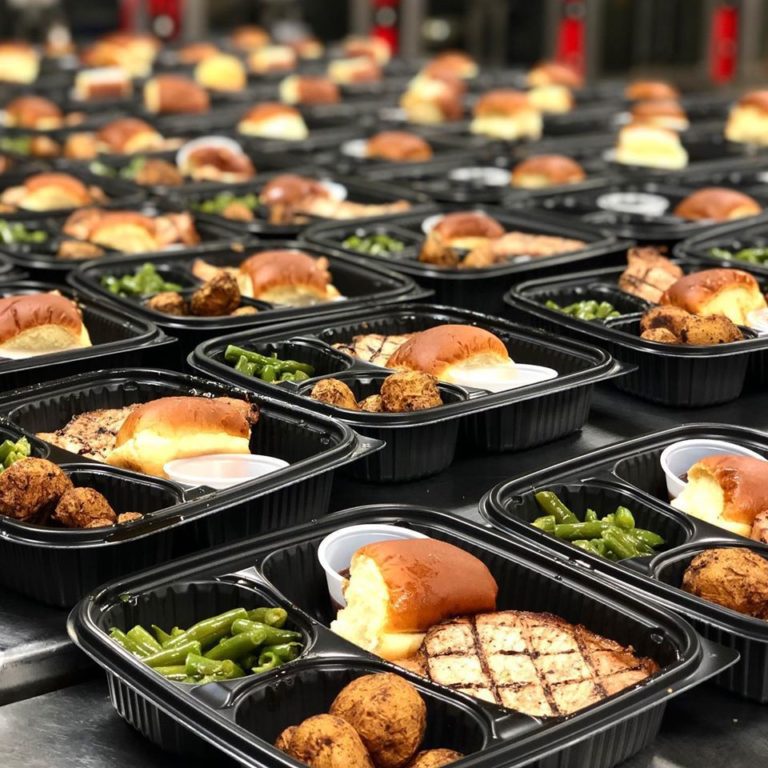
column 242, row 718
column 221, row 470
column 361, row 285
column 118, row 338
column 630, row 473
column 58, row 566
column 675, row 375
column 477, row 289
column 353, row 189
column 502, row 421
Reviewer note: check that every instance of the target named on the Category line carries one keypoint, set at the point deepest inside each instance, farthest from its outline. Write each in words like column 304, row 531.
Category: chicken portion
column 374, row 348
column 674, row 325
column 334, row 392
column 76, row 249
column 30, row 489
column 410, row 391
column 515, row 245
column 648, row 273
column 760, row 528
column 734, row 577
column 372, row 404
column 218, row 297
column 169, row 303
column 83, row 508
column 158, row 173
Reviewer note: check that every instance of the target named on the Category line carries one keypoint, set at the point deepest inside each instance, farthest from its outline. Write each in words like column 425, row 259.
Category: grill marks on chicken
column 535, row 663
column 374, row 348
column 648, row 274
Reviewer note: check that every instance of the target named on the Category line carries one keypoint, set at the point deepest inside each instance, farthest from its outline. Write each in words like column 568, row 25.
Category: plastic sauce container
column 221, row 470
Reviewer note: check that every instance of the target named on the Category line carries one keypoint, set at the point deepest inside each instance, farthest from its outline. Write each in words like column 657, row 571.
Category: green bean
column 201, row 666
column 210, row 630
column 172, row 656
column 177, row 672
column 273, row 635
column 161, row 636
column 267, row 661
column 546, row 523
column 571, row 531
column 238, row 645
column 620, row 544
column 176, row 631
column 274, row 617
column 649, row 538
column 122, row 639
column 590, row 516
column 285, row 651
column 146, row 644
column 623, row 518
column 549, row 502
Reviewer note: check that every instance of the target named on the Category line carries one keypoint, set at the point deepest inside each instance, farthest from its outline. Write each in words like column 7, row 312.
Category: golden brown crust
column 291, row 189
column 455, row 63
column 30, row 489
column 420, row 575
column 223, row 159
column 434, row 350
column 286, row 267
column 75, row 188
column 192, row 53
column 757, row 99
column 317, row 90
column 175, row 94
column 269, row 110
column 643, row 110
column 399, row 146
column 717, row 204
column 555, row 73
column 19, row 313
column 503, row 102
column 693, row 292
column 174, row 416
column 557, row 169
column 118, row 133
column 651, row 90
column 463, row 224
column 249, row 36
column 30, row 111
column 744, row 481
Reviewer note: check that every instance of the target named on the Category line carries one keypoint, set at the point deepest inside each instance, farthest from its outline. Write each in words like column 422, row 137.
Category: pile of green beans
column 750, row 255
column 11, row 452
column 612, row 536
column 268, row 368
column 16, row 232
column 233, row 644
column 589, row 309
column 217, row 204
column 20, row 145
column 129, row 171
column 374, row 245
column 145, row 281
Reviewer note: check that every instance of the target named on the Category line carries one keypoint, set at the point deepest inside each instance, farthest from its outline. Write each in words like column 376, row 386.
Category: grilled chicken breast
column 374, row 347
column 535, row 663
column 648, row 274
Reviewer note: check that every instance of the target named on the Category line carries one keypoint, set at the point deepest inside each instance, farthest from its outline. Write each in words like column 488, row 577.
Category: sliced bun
column 221, row 72
column 179, row 427
column 290, row 189
column 272, row 120
column 249, row 37
column 175, row 95
column 218, row 163
column 398, row 146
column 455, row 63
column 546, row 171
column 748, row 119
column 128, row 135
column 40, row 323
column 652, row 146
column 33, row 112
column 506, row 114
column 664, row 114
column 102, row 83
column 717, row 204
column 361, row 69
column 554, row 73
column 651, row 90
column 305, row 89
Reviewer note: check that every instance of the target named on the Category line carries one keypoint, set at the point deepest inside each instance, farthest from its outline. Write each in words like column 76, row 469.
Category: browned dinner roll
column 275, row 121
column 503, row 102
column 19, row 62
column 717, row 204
column 434, row 97
column 221, row 72
column 398, row 146
column 249, row 36
column 218, row 163
column 175, row 95
column 33, row 112
column 273, row 58
column 651, row 90
column 666, row 114
column 546, row 171
column 454, row 63
column 48, row 192
column 360, row 69
column 506, row 114
column 192, row 53
column 372, row 47
column 461, row 225
column 283, row 274
column 748, row 119
column 555, row 73
column 128, row 135
column 290, row 188
column 102, row 83
column 309, row 89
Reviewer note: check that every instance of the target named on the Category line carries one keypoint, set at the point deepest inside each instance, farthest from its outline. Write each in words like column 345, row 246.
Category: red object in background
column 571, row 35
column 386, row 22
column 724, row 38
column 164, row 16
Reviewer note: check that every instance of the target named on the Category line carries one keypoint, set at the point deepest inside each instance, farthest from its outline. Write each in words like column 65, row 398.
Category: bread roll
column 102, row 83
column 554, row 73
column 651, row 146
column 453, row 63
column 287, row 277
column 748, row 119
column 132, row 52
column 540, row 171
column 663, row 114
column 651, row 90
column 19, row 63
column 290, row 189
column 33, row 112
column 305, row 89
column 273, row 58
column 506, row 114
column 48, row 192
column 373, row 47
column 361, row 69
column 397, row 590
column 39, row 324
column 728, row 491
column 717, row 204
column 399, row 147
column 552, row 99
column 248, row 37
column 448, row 351
column 729, row 292
column 221, row 73
column 272, row 120
column 175, row 95
column 127, row 136
column 194, row 53
column 218, row 163
column 465, row 229
column 307, row 47
column 180, row 427
column 434, row 98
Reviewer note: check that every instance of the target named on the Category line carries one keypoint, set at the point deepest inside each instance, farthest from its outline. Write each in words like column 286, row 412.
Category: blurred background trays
column 118, row 337
column 478, row 289
column 710, row 247
column 58, row 567
column 685, row 376
column 630, row 473
column 627, row 209
column 363, row 286
column 283, row 568
column 503, row 421
column 353, row 189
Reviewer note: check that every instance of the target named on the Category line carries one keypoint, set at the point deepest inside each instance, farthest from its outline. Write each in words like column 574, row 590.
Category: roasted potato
column 671, row 318
column 31, row 488
column 434, row 758
column 334, row 392
column 328, row 741
column 371, row 404
column 388, row 713
column 283, row 741
column 410, row 391
column 660, row 335
column 734, row 577
column 83, row 508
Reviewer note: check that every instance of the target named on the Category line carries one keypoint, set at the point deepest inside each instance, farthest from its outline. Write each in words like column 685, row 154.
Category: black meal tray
column 357, row 190
column 118, row 337
column 41, row 261
column 362, row 284
column 582, row 206
column 673, row 375
column 494, row 422
column 243, row 717
column 629, row 473
column 477, row 289
column 58, row 566
column 732, row 237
